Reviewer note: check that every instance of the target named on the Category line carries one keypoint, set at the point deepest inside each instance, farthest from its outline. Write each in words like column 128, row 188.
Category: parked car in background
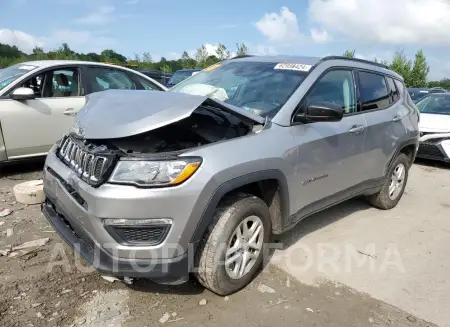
column 197, row 179
column 417, row 93
column 181, row 75
column 39, row 99
column 158, row 75
column 437, row 90
column 435, row 127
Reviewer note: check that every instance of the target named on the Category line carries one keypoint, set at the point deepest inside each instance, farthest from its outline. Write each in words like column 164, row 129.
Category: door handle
column 356, row 129
column 396, row 119
column 70, row 112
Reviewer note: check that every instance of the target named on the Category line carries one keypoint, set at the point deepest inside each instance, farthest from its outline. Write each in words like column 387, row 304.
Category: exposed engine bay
column 205, row 125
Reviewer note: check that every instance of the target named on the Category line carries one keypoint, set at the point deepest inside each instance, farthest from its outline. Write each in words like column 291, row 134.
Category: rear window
column 373, row 91
column 392, row 90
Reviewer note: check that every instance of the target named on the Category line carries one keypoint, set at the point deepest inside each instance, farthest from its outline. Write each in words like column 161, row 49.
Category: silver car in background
column 39, row 99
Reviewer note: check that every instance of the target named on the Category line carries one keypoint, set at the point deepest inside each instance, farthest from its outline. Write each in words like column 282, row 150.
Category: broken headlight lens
column 154, row 173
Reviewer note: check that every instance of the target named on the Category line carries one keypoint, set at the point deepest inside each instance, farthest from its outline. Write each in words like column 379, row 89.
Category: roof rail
column 242, row 56
column 357, row 60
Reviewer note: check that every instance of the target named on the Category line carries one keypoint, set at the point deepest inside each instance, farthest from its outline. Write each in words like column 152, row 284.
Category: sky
column 374, row 28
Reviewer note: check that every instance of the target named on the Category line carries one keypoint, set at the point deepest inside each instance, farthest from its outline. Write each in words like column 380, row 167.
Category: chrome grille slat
column 86, row 165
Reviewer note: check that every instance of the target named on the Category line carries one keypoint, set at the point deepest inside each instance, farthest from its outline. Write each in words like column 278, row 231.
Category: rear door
column 330, row 153
column 31, row 127
column 384, row 114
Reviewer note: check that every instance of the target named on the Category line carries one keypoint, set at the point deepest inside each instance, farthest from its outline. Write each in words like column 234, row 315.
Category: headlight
column 154, row 173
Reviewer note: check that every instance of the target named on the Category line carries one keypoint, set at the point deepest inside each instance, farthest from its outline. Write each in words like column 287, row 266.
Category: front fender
column 232, row 184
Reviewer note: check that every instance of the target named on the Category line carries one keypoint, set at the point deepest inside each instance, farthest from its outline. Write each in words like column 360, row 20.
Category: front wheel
column 233, row 248
column 394, row 186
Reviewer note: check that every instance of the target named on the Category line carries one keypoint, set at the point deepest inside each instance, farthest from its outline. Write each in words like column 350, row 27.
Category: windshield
column 177, row 77
column 434, row 105
column 10, row 74
column 260, row 87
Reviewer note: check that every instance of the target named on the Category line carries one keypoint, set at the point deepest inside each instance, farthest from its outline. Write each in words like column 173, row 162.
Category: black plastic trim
column 117, row 235
column 355, row 60
column 165, row 271
column 235, row 183
column 404, row 144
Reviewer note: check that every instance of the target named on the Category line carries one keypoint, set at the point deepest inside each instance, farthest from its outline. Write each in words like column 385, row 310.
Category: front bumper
column 167, row 271
column 434, row 147
column 78, row 211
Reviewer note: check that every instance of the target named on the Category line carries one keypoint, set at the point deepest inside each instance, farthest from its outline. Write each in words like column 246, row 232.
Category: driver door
column 331, row 155
column 31, row 127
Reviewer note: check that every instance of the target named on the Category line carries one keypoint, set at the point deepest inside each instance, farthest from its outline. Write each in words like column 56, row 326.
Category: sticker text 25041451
column 297, row 67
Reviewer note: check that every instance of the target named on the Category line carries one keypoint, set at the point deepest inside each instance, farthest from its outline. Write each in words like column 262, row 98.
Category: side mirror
column 23, row 93
column 320, row 111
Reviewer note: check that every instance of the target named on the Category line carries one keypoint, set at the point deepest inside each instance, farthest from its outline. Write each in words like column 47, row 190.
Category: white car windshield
column 11, row 73
column 435, row 104
column 260, row 87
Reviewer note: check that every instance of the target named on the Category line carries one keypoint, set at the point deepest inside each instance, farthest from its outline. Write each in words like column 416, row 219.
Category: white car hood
column 434, row 123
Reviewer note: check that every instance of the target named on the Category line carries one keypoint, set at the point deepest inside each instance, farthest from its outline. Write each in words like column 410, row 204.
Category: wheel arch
column 408, row 147
column 270, row 185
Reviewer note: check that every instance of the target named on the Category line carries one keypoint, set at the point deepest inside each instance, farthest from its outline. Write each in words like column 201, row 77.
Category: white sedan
column 434, row 127
column 39, row 99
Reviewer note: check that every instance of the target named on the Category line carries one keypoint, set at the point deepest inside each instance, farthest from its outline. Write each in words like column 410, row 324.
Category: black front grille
column 429, row 150
column 91, row 163
column 150, row 235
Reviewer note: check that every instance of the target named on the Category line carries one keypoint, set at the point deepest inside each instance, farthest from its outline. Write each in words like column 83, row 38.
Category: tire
column 382, row 199
column 212, row 272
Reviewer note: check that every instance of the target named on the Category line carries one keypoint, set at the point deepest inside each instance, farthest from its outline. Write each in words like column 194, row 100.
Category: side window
column 393, row 91
column 101, row 79
column 64, row 83
column 55, row 83
column 146, row 84
column 336, row 86
column 373, row 91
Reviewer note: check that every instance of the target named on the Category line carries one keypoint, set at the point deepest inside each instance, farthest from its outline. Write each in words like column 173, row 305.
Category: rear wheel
column 394, row 186
column 232, row 250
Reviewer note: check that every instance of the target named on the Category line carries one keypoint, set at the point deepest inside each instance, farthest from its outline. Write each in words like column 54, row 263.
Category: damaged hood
column 434, row 123
column 121, row 113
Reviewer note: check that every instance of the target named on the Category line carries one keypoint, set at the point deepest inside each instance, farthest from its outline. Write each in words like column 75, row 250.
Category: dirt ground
column 37, row 289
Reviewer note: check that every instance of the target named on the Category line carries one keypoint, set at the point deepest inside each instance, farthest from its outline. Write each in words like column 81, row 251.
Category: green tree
column 166, row 68
column 39, row 53
column 241, row 49
column 8, row 51
column 402, row 65
column 420, row 70
column 383, row 62
column 187, row 62
column 201, row 55
column 147, row 58
column 222, row 52
column 349, row 53
column 112, row 56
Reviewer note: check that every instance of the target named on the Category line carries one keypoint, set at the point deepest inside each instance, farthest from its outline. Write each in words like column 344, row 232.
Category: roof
column 49, row 63
column 275, row 59
column 189, row 70
column 316, row 60
column 440, row 94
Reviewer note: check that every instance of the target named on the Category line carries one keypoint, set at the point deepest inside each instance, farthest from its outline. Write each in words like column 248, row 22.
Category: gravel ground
column 37, row 289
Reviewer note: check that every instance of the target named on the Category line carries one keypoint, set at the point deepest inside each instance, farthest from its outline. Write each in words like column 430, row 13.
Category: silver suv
column 196, row 180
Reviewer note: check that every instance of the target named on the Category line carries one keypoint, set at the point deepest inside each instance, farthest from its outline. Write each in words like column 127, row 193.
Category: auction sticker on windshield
column 297, row 67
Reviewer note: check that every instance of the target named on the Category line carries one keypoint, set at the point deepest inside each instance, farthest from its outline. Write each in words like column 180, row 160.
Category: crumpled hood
column 434, row 123
column 121, row 113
